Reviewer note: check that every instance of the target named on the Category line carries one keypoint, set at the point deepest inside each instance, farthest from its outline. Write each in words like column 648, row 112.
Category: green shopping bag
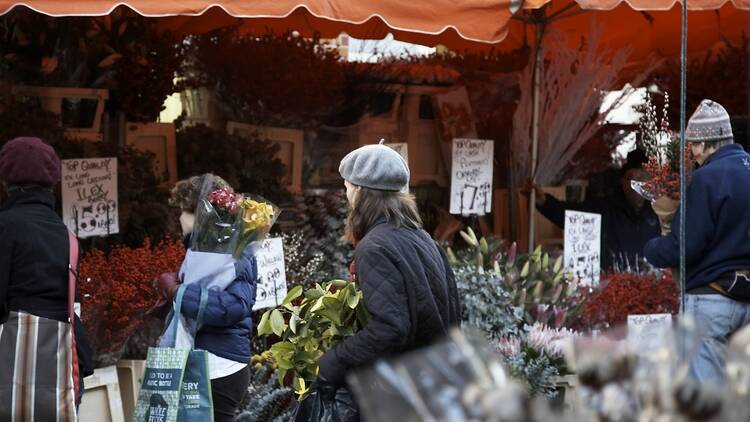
column 196, row 402
column 176, row 384
column 159, row 398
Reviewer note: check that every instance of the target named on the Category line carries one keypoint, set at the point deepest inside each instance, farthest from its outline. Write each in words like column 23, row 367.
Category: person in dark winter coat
column 227, row 327
column 408, row 286
column 628, row 221
column 34, row 244
column 717, row 238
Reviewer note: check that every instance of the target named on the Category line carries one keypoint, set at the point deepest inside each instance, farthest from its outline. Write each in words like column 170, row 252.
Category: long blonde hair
column 370, row 206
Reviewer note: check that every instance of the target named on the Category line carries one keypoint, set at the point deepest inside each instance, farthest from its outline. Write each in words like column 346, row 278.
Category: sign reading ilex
column 89, row 196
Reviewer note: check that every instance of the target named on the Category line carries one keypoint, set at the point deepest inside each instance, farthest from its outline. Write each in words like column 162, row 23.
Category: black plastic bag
column 323, row 405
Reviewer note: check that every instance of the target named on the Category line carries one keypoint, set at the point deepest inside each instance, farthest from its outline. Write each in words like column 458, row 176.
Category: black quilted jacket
column 409, row 290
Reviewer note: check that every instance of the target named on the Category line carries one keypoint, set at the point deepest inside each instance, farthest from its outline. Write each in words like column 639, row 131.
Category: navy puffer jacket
column 227, row 328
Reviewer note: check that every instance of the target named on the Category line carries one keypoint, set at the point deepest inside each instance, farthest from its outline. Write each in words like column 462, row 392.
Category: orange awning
column 648, row 26
column 456, row 24
column 655, row 28
column 645, row 4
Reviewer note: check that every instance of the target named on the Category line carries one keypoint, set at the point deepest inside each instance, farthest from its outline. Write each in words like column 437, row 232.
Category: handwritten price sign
column 471, row 177
column 271, row 288
column 583, row 246
column 89, row 196
column 648, row 332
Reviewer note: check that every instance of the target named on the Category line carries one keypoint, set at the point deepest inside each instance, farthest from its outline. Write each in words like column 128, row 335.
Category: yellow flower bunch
column 256, row 215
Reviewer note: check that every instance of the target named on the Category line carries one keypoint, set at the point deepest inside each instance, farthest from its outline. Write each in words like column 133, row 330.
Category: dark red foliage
column 116, row 291
column 623, row 294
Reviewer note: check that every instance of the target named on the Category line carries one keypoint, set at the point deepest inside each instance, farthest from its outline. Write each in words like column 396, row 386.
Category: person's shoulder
column 375, row 241
column 11, row 222
column 381, row 240
column 9, row 216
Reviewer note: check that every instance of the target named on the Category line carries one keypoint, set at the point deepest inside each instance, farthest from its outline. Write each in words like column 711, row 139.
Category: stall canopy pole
column 536, row 93
column 683, row 100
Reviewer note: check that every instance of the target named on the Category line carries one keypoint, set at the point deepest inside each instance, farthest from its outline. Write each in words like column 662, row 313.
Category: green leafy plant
column 486, row 303
column 534, row 282
column 512, row 300
column 309, row 323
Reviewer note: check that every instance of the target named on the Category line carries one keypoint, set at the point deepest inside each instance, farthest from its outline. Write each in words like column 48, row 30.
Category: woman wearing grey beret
column 408, row 286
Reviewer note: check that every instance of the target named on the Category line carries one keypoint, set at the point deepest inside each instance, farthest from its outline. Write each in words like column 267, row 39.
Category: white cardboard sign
column 646, row 332
column 582, row 254
column 271, row 288
column 89, row 196
column 471, row 176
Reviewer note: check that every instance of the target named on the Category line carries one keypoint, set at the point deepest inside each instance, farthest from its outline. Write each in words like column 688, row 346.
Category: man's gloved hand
column 246, row 266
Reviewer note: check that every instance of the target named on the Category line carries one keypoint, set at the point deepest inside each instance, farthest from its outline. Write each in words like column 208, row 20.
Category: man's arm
column 554, row 209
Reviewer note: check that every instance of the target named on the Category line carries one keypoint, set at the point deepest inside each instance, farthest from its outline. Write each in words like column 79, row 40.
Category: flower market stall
column 517, row 97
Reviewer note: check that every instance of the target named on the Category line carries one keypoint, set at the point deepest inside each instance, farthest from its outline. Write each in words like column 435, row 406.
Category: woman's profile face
column 187, row 220
column 351, row 192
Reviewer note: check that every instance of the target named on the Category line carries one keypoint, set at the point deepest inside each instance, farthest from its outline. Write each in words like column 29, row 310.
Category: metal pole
column 683, row 100
column 535, row 129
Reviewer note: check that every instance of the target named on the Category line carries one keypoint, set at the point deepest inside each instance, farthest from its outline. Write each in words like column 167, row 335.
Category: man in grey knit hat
column 717, row 238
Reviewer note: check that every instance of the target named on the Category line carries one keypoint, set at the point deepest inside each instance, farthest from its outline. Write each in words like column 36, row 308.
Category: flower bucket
column 665, row 207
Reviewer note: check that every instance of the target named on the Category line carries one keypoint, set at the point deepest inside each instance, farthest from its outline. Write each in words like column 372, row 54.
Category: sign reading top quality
column 647, row 333
column 89, row 196
column 471, row 177
column 583, row 246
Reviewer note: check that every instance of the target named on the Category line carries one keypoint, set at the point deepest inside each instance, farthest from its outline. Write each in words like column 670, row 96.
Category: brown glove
column 167, row 284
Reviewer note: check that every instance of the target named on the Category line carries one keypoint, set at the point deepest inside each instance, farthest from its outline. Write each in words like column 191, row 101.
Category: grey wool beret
column 376, row 167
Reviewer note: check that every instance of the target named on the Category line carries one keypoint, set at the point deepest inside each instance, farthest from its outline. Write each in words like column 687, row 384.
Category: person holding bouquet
column 717, row 238
column 408, row 286
column 227, row 330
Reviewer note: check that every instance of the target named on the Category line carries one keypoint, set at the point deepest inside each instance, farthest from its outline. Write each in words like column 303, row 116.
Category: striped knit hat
column 710, row 123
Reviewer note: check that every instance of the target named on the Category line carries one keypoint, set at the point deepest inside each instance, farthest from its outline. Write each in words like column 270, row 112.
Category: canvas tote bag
column 176, row 385
column 38, row 362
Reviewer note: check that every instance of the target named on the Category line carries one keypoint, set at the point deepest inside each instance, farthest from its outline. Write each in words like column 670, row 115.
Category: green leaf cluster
column 309, row 323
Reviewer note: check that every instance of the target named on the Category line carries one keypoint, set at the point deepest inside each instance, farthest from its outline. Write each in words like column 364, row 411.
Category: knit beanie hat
column 376, row 167
column 709, row 123
column 29, row 161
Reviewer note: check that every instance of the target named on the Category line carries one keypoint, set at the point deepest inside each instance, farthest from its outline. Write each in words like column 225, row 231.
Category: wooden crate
column 101, row 398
